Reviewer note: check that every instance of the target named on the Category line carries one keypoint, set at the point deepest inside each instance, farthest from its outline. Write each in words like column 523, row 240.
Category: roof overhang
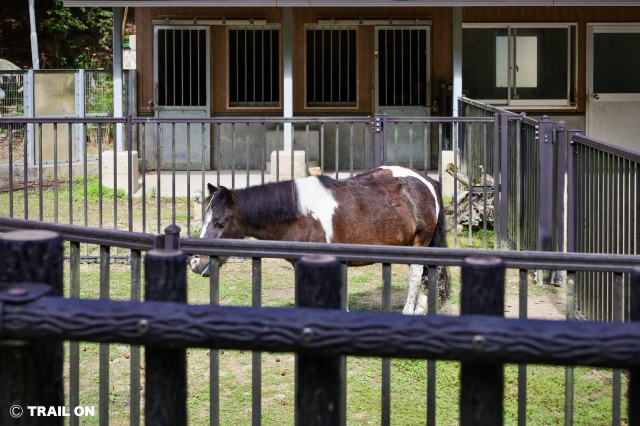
column 342, row 3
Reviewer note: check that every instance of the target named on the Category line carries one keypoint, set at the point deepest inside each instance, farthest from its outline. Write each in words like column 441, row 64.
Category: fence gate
column 181, row 89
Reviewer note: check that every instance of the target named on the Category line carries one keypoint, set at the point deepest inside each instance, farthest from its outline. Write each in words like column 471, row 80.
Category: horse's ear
column 228, row 197
column 212, row 189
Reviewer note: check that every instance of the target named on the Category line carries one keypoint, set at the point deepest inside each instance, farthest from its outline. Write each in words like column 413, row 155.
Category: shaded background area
column 67, row 37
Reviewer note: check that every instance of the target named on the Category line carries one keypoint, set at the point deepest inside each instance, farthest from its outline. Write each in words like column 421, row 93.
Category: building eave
column 344, row 3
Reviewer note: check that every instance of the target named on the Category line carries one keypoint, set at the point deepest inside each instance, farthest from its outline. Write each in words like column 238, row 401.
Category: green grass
column 545, row 384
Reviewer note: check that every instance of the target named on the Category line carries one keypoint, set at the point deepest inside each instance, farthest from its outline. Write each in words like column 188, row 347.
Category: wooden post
column 633, row 393
column 166, row 368
column 30, row 372
column 481, row 385
column 319, row 384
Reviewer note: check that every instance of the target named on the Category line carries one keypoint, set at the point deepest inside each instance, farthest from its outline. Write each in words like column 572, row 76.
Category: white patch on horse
column 206, row 222
column 316, row 200
column 397, row 171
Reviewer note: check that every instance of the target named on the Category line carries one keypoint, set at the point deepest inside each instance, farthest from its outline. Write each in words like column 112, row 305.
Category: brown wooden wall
column 441, row 45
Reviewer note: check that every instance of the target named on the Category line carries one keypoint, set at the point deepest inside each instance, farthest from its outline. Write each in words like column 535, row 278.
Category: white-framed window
column 530, row 65
column 254, row 66
column 331, row 66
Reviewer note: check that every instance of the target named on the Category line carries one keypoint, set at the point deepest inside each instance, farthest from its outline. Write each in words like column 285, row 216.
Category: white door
column 613, row 84
column 402, row 88
column 181, row 83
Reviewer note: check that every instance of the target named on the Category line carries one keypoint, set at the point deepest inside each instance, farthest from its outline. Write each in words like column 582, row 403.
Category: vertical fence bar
column 214, row 357
column 337, row 145
column 158, row 169
column 166, row 372
column 131, row 175
column 616, row 399
column 432, row 309
column 31, row 372
column 523, row 301
column 40, row 174
column 497, row 121
column 256, row 357
column 568, row 372
column 55, row 172
column 134, row 359
column 70, row 171
column 633, row 391
column 247, row 140
column 385, row 391
column 319, row 379
column 103, row 355
column 503, row 155
column 74, row 347
column 481, row 385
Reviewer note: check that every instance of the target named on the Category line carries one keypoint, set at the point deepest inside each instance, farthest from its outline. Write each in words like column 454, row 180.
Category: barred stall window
column 181, row 67
column 254, row 66
column 331, row 66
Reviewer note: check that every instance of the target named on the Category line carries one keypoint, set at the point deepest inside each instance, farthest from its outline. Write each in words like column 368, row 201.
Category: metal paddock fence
column 603, row 217
column 525, row 156
column 492, row 342
column 337, row 146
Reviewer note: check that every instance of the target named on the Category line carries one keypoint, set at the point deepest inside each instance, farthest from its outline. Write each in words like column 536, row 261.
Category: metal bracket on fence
column 22, row 292
column 17, row 293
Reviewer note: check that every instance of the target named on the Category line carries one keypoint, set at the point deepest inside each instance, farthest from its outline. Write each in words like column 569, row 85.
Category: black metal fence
column 603, row 217
column 483, row 340
column 151, row 171
column 527, row 159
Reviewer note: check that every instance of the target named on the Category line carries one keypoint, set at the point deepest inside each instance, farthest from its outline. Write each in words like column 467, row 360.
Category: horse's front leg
column 416, row 301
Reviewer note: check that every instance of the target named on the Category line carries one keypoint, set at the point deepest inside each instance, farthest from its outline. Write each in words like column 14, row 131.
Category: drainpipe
column 117, row 76
column 287, row 44
column 457, row 58
column 35, row 57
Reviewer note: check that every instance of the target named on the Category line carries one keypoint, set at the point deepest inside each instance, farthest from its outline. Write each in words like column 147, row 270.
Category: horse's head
column 221, row 220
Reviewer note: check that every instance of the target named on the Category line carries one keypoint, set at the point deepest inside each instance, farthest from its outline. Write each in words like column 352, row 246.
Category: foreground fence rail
column 484, row 340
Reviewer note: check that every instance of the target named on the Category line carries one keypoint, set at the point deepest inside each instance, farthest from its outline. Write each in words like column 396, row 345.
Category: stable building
column 569, row 59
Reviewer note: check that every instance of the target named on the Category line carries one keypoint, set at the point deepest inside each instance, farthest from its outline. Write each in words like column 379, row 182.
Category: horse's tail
column 440, row 240
column 440, row 236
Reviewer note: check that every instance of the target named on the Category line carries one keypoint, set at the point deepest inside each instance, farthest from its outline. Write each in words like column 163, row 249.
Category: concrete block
column 123, row 174
column 299, row 142
column 299, row 165
column 447, row 179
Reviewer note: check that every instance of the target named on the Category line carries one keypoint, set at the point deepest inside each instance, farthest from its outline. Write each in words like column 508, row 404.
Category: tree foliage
column 78, row 37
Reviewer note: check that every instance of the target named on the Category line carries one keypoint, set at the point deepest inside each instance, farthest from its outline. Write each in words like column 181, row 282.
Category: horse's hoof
column 408, row 310
column 423, row 303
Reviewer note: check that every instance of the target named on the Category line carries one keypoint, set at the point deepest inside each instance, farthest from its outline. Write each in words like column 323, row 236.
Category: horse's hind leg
column 416, row 299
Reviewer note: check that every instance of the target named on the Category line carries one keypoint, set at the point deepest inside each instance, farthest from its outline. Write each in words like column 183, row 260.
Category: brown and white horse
column 388, row 205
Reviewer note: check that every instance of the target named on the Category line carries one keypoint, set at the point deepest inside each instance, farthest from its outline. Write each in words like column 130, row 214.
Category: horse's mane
column 269, row 203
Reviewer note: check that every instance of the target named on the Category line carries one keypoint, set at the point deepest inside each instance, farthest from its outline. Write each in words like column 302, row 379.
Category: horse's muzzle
column 200, row 265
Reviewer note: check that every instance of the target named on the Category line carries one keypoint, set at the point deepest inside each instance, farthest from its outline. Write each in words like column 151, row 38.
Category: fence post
column 166, row 372
column 545, row 187
column 30, row 372
column 503, row 183
column 633, row 392
column 320, row 380
column 377, row 140
column 481, row 385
